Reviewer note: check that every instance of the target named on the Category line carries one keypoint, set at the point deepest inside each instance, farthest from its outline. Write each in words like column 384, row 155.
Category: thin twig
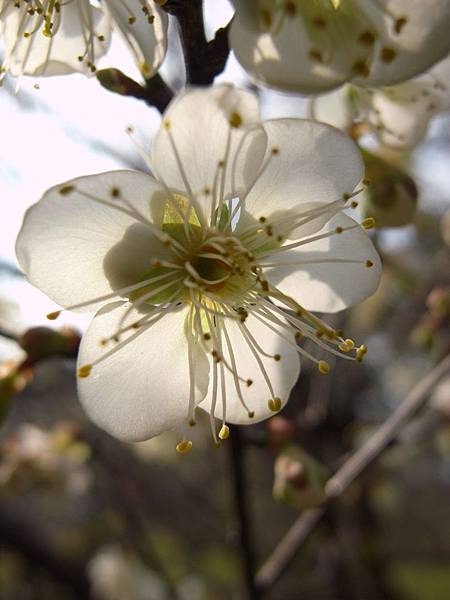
column 241, row 501
column 283, row 554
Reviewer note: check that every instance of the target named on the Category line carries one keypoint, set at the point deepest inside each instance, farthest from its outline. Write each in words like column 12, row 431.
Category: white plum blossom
column 398, row 115
column 54, row 38
column 204, row 276
column 312, row 47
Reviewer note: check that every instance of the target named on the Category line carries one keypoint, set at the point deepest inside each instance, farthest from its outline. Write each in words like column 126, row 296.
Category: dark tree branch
column 157, row 93
column 242, row 511
column 204, row 60
column 282, row 556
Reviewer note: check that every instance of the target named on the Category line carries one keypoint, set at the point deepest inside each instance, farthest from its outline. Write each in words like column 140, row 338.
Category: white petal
column 142, row 389
column 334, row 108
column 329, row 286
column 421, row 42
column 314, row 163
column 74, row 248
column 188, row 154
column 282, row 61
column 38, row 54
column 283, row 374
column 400, row 114
column 314, row 47
column 147, row 41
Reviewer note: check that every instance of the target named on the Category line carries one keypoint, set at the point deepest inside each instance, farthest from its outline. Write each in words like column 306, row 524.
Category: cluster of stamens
column 44, row 17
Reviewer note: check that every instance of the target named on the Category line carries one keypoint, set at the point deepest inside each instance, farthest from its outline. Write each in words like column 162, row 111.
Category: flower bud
column 391, row 197
column 42, row 342
column 299, row 479
column 116, row 81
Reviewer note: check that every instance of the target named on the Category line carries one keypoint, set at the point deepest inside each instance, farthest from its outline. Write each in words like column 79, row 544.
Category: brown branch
column 286, row 550
column 237, row 449
column 204, row 60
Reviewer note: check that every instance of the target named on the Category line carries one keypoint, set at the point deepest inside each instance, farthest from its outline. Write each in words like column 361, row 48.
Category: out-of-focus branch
column 31, row 541
column 204, row 60
column 242, row 511
column 283, row 554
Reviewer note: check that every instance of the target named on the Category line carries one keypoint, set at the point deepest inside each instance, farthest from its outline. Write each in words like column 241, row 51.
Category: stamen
column 224, row 432
column 183, row 446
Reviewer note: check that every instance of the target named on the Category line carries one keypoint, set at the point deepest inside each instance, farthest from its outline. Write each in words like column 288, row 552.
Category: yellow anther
column 343, row 347
column 361, row 68
column 145, row 69
column 84, row 370
column 53, row 315
column 224, row 432
column 368, row 223
column 399, row 24
column 315, row 54
column 369, row 264
column 367, row 38
column 235, row 119
column 350, row 343
column 324, row 367
column 132, row 20
column 183, row 446
column 166, row 124
column 66, row 189
column 274, row 404
column 388, row 55
column 361, row 352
